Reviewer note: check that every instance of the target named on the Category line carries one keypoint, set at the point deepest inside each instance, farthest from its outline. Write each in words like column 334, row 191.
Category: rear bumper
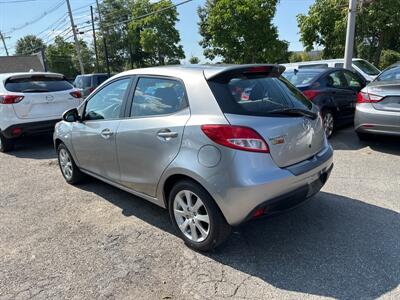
column 30, row 128
column 250, row 186
column 370, row 120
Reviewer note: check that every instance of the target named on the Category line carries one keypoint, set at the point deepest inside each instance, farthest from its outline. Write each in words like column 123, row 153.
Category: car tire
column 69, row 169
column 328, row 121
column 362, row 136
column 5, row 144
column 206, row 235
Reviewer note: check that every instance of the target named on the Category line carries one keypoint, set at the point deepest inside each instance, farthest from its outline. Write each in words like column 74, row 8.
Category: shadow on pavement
column 332, row 246
column 35, row 147
column 347, row 139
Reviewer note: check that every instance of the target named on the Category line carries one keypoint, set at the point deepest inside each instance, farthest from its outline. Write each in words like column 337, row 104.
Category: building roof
column 11, row 64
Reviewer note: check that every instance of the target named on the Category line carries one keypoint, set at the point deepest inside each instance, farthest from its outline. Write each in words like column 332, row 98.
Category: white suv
column 32, row 103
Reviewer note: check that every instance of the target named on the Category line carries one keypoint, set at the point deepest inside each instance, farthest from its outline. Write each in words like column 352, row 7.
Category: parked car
column 89, row 82
column 364, row 68
column 333, row 90
column 32, row 103
column 378, row 105
column 183, row 138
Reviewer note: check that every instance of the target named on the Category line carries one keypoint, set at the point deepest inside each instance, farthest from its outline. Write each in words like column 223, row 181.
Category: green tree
column 194, row 60
column 388, row 58
column 28, row 45
column 241, row 31
column 115, row 19
column 156, row 41
column 377, row 27
column 62, row 58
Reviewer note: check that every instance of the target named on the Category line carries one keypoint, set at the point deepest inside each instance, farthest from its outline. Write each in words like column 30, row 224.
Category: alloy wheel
column 328, row 123
column 65, row 163
column 191, row 216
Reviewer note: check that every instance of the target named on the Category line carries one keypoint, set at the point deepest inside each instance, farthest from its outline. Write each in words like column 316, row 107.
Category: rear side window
column 37, row 84
column 158, row 96
column 100, row 79
column 86, row 81
column 256, row 95
column 300, row 78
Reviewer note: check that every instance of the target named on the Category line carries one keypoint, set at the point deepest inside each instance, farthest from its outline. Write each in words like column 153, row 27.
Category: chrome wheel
column 191, row 216
column 328, row 123
column 65, row 163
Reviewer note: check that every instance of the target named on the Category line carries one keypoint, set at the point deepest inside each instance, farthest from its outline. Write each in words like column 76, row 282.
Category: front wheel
column 196, row 217
column 5, row 144
column 328, row 120
column 68, row 168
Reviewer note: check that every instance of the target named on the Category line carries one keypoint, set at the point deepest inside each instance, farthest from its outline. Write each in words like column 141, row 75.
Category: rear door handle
column 106, row 133
column 166, row 134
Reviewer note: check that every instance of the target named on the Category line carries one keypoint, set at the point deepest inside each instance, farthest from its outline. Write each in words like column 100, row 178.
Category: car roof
column 209, row 71
column 320, row 61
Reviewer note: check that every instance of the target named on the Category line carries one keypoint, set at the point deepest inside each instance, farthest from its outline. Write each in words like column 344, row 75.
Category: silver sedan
column 378, row 105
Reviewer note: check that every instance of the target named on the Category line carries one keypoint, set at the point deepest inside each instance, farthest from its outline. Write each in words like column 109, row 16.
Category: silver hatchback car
column 216, row 145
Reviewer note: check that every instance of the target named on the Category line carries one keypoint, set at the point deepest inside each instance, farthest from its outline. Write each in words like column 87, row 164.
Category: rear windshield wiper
column 295, row 111
column 34, row 91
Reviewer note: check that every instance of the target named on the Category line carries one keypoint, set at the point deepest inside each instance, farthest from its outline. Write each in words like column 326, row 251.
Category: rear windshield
column 37, row 84
column 391, row 73
column 366, row 67
column 300, row 77
column 256, row 95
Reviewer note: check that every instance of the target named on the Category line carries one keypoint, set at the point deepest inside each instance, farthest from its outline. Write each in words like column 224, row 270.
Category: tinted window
column 300, row 77
column 353, row 80
column 107, row 103
column 339, row 65
column 366, row 67
column 99, row 79
column 314, row 66
column 37, row 84
column 86, row 81
column 157, row 96
column 336, row 80
column 256, row 95
column 391, row 73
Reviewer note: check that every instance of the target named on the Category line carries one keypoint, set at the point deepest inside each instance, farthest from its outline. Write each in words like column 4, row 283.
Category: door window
column 158, row 96
column 353, row 80
column 106, row 104
column 335, row 80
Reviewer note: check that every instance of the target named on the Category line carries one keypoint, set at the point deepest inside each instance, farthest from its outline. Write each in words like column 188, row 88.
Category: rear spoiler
column 35, row 74
column 236, row 70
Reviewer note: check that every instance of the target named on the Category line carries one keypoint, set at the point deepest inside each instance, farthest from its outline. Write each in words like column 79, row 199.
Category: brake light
column 76, row 94
column 311, row 94
column 368, row 98
column 10, row 99
column 259, row 69
column 236, row 137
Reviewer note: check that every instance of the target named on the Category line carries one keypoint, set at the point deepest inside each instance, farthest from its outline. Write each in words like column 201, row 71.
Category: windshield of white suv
column 366, row 67
column 37, row 84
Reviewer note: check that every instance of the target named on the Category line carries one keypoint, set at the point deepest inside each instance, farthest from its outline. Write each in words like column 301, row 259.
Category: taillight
column 10, row 99
column 76, row 94
column 368, row 98
column 311, row 94
column 236, row 137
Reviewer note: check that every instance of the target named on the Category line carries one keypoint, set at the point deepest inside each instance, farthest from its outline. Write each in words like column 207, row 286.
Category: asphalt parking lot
column 95, row 241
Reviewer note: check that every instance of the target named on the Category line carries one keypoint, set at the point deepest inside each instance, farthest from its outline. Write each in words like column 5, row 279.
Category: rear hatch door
column 45, row 95
column 263, row 100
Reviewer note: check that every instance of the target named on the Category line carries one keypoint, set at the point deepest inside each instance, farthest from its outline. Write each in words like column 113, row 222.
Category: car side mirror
column 71, row 115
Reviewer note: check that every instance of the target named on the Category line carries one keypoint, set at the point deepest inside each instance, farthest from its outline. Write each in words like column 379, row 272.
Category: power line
column 44, row 14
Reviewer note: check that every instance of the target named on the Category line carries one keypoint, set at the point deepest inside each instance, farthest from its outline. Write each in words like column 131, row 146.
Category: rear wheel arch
column 175, row 178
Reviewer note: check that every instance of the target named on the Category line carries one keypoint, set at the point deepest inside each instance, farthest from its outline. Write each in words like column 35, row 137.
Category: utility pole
column 351, row 26
column 94, row 40
column 77, row 45
column 4, row 43
column 104, row 40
